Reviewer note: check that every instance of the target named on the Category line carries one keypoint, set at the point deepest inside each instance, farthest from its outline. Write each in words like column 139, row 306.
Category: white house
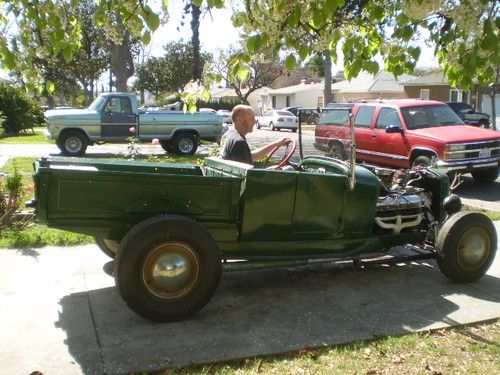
column 229, row 95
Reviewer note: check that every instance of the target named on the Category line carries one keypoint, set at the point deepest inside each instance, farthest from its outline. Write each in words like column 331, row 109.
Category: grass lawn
column 466, row 350
column 37, row 137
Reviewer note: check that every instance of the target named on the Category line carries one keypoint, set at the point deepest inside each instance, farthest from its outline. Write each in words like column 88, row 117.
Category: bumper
column 468, row 165
column 48, row 134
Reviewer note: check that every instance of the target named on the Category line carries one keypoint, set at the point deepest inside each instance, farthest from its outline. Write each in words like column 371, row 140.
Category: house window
column 454, row 95
column 273, row 101
column 320, row 102
column 424, row 94
column 465, row 97
column 287, row 101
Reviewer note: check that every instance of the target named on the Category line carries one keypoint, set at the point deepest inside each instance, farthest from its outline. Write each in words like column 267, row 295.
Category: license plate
column 485, row 153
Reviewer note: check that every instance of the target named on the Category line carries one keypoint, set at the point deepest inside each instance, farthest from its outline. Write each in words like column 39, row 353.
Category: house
column 365, row 86
column 435, row 86
column 229, row 95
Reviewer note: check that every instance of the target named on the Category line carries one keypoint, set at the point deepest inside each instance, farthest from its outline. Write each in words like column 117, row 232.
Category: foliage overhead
column 465, row 33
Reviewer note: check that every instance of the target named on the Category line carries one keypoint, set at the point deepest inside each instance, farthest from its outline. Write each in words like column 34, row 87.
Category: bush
column 220, row 105
column 20, row 112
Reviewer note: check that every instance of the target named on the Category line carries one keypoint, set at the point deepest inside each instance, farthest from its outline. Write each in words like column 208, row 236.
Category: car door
column 362, row 123
column 117, row 118
column 389, row 147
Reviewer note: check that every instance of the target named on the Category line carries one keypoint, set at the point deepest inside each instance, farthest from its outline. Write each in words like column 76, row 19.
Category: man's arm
column 264, row 151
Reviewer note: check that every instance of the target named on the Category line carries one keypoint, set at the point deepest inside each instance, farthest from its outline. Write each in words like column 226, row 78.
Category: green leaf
column 67, row 53
column 146, row 38
column 243, row 73
column 290, row 62
column 192, row 108
column 50, row 86
column 8, row 60
column 254, row 43
column 294, row 17
column 330, row 6
column 303, row 52
column 164, row 4
column 152, row 20
column 205, row 95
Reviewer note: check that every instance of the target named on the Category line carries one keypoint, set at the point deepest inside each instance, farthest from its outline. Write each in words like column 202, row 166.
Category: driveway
column 60, row 313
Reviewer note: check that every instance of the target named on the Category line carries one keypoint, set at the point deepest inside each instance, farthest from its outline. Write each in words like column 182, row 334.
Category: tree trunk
column 328, row 96
column 195, row 42
column 122, row 63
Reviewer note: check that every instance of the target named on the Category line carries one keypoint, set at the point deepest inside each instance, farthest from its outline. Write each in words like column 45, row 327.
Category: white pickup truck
column 111, row 115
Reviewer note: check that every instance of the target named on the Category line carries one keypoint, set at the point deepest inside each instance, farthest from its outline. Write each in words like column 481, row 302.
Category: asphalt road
column 486, row 196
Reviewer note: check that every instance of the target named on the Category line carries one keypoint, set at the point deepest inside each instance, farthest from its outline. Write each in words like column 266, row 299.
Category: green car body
column 173, row 226
column 111, row 116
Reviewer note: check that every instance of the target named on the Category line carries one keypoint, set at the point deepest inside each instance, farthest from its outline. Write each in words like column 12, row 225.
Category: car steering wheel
column 290, row 149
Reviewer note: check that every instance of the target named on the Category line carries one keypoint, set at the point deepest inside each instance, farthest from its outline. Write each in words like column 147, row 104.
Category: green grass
column 466, row 350
column 493, row 215
column 25, row 138
column 39, row 236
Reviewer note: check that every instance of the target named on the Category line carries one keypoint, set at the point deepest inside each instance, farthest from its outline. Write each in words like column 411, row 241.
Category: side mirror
column 394, row 129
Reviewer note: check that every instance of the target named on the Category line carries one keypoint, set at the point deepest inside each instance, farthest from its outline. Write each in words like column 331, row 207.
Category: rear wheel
column 486, row 175
column 271, row 125
column 466, row 246
column 166, row 146
column 108, row 247
column 257, row 125
column 168, row 268
column 72, row 143
column 294, row 130
column 184, row 144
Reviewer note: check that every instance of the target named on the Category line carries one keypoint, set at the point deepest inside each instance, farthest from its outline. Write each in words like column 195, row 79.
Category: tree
column 316, row 65
column 261, row 71
column 169, row 73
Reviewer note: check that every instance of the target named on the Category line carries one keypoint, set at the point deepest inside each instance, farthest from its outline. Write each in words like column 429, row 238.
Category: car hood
column 457, row 134
column 69, row 114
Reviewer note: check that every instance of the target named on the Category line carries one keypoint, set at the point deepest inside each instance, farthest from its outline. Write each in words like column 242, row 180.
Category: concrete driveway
column 60, row 313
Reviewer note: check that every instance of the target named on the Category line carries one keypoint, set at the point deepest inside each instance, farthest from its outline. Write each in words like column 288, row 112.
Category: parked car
column 409, row 132
column 307, row 115
column 207, row 110
column 226, row 116
column 173, row 228
column 277, row 120
column 469, row 114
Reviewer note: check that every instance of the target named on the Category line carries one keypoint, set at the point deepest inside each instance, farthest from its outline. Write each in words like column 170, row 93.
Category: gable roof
column 430, row 79
column 382, row 82
column 288, row 90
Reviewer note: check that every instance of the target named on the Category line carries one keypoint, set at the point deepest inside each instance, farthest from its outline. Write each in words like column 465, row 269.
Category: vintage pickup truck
column 109, row 119
column 173, row 228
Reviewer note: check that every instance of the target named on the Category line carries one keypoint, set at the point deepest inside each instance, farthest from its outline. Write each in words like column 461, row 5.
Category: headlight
column 454, row 147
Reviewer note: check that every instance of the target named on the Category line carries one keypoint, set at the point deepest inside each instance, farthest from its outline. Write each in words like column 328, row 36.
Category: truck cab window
column 388, row 117
column 118, row 105
column 364, row 117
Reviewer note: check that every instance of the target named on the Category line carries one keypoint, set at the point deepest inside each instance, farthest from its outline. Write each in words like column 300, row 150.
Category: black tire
column 169, row 242
column 257, row 125
column 72, row 143
column 294, row 130
column 484, row 124
column 422, row 160
column 108, row 247
column 166, row 146
column 337, row 152
column 486, row 175
column 184, row 144
column 466, row 246
column 271, row 125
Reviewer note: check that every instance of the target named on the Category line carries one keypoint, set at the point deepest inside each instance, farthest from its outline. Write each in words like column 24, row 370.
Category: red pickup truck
column 407, row 132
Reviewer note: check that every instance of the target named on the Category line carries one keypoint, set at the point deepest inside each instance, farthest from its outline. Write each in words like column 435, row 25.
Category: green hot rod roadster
column 173, row 228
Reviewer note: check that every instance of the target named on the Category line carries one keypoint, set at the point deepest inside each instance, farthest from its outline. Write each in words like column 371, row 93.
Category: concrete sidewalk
column 60, row 313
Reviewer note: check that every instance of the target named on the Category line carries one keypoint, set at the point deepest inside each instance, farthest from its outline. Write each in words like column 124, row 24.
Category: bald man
column 234, row 144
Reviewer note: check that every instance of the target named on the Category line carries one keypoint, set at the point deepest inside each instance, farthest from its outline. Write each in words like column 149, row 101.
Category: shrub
column 20, row 112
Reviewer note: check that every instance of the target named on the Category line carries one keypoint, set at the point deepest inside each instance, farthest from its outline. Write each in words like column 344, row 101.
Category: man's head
column 243, row 119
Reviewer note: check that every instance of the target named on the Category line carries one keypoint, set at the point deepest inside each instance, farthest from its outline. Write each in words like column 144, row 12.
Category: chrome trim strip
column 382, row 155
column 475, row 150
column 472, row 143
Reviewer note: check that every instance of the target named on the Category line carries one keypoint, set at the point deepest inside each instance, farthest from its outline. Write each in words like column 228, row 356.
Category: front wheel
column 271, row 125
column 184, row 144
column 486, row 175
column 168, row 268
column 466, row 246
column 72, row 143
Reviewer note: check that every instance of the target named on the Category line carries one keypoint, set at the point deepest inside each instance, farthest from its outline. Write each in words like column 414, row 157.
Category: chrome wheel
column 73, row 144
column 473, row 249
column 171, row 270
column 186, row 145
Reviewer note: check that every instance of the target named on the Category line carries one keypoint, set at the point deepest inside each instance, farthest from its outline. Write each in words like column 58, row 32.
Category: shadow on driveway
column 274, row 311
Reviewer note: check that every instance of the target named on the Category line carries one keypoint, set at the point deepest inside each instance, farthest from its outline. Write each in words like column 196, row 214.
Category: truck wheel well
column 186, row 131
column 74, row 130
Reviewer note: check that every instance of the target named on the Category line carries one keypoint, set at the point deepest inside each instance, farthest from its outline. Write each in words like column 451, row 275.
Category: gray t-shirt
column 235, row 147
